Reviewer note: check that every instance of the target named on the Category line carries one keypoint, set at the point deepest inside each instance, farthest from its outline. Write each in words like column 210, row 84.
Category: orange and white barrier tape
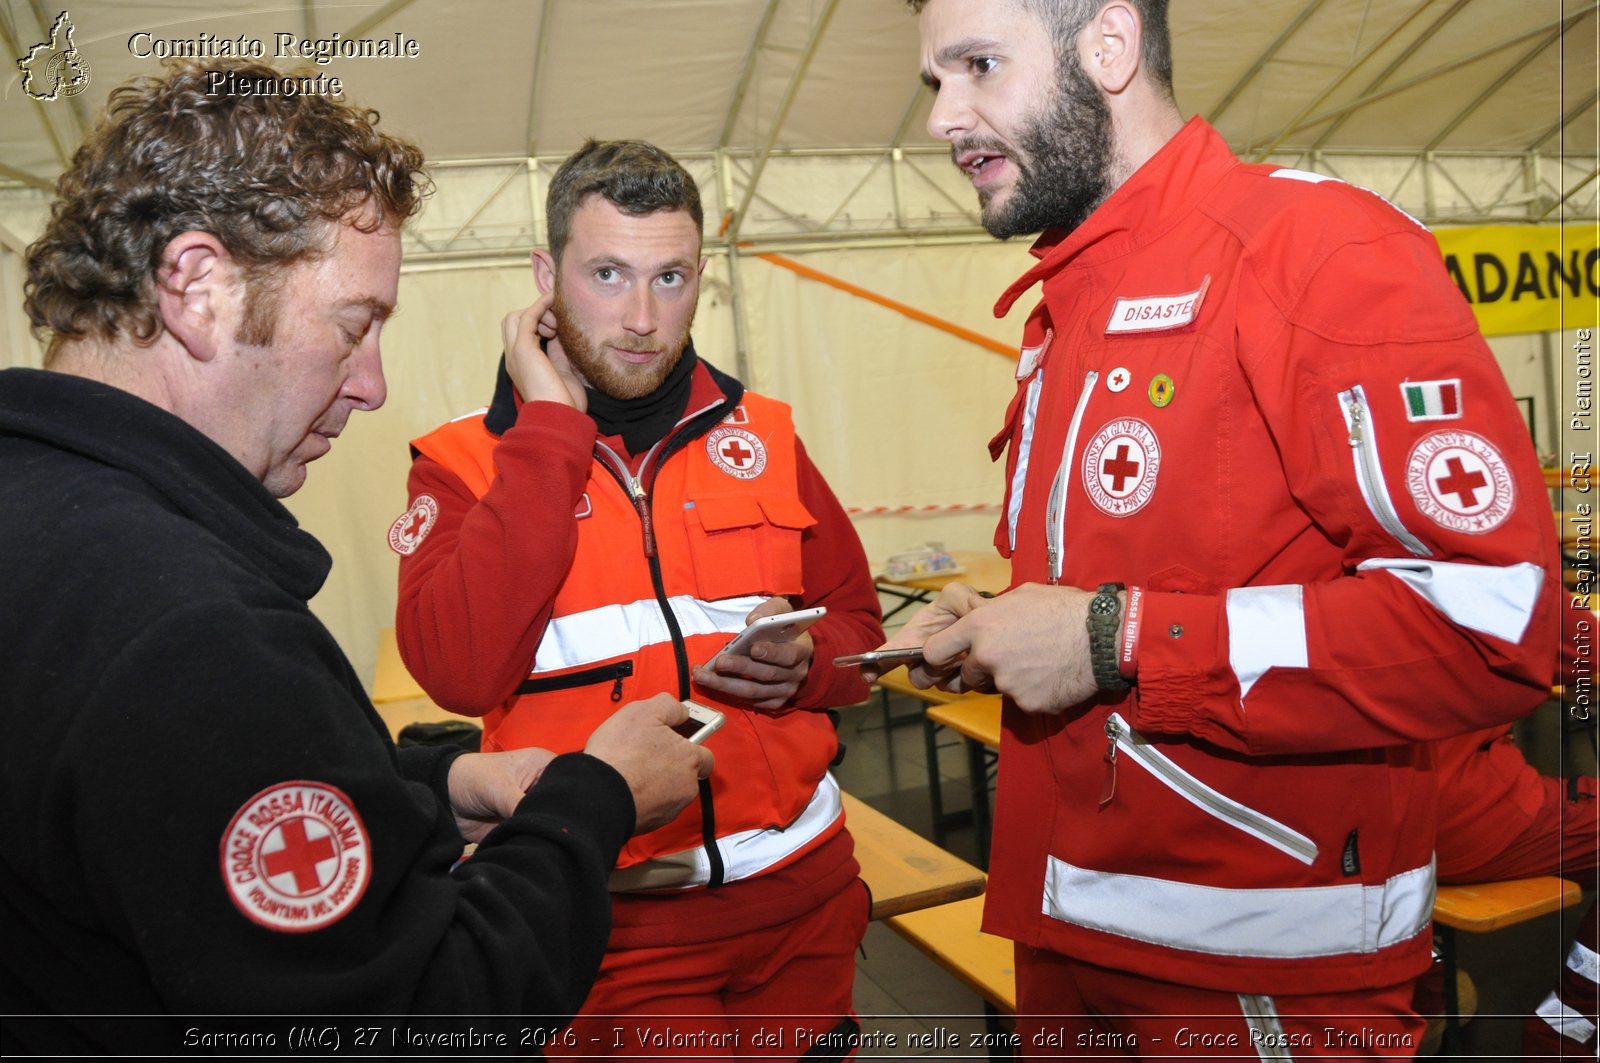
column 954, row 507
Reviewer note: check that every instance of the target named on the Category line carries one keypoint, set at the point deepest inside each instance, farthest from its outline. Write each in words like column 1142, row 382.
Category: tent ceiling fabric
column 669, row 70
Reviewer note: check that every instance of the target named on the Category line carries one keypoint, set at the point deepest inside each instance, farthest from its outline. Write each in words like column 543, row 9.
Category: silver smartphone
column 903, row 655
column 702, row 723
column 779, row 627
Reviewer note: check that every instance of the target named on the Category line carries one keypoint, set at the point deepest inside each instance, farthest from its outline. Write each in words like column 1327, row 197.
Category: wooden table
column 982, row 569
column 904, row 870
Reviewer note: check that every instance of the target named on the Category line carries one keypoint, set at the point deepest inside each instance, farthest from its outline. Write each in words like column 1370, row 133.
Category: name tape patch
column 1157, row 313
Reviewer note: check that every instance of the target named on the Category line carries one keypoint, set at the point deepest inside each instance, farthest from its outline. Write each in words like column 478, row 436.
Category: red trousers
column 1070, row 1009
column 779, row 992
column 1557, row 825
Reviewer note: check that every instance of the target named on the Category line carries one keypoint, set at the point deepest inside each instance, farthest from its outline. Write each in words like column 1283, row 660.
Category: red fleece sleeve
column 476, row 594
column 836, row 574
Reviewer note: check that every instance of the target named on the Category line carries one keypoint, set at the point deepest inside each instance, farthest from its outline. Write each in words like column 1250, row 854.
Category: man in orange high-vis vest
column 596, row 535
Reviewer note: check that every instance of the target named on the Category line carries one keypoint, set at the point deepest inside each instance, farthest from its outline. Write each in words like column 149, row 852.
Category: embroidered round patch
column 1459, row 481
column 407, row 533
column 737, row 452
column 1120, row 466
column 296, row 857
column 1118, row 379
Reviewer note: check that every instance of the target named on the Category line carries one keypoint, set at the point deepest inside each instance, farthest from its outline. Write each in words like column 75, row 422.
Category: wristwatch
column 1105, row 627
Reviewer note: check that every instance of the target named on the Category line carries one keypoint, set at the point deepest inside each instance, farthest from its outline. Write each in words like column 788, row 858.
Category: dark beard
column 620, row 382
column 1064, row 161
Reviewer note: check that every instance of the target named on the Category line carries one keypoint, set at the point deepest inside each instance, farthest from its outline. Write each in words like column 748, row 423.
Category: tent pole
column 741, row 329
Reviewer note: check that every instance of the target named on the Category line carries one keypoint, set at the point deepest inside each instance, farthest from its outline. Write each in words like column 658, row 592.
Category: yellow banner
column 1526, row 278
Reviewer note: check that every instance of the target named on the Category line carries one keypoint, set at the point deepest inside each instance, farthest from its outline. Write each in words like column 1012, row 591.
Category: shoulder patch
column 1432, row 400
column 737, row 452
column 413, row 526
column 296, row 857
column 1459, row 481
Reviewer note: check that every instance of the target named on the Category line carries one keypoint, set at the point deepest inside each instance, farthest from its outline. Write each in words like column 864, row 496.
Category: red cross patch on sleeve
column 1459, row 481
column 407, row 533
column 296, row 857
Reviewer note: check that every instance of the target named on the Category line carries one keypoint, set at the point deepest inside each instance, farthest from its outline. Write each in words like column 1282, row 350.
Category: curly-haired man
column 203, row 813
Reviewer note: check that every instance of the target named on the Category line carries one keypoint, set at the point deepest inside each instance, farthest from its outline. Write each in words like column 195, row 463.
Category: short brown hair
column 266, row 174
column 1066, row 18
column 635, row 177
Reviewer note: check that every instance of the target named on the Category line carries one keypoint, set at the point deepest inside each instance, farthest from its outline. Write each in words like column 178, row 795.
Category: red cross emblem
column 738, row 452
column 1120, row 466
column 299, row 856
column 1459, row 481
column 296, row 857
column 738, row 455
column 407, row 533
column 1118, row 379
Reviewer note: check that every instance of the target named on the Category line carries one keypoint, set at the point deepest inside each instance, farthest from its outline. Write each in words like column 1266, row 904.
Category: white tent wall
column 894, row 412
column 1458, row 113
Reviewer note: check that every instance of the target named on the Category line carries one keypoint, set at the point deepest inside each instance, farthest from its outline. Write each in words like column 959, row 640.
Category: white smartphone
column 702, row 723
column 779, row 627
column 903, row 655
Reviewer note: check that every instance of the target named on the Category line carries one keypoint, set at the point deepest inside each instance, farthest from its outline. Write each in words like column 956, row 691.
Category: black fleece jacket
column 159, row 670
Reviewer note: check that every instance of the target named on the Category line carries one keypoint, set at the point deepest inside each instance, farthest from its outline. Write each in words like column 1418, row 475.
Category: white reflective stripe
column 613, row 631
column 1495, row 600
column 1266, row 923
column 1584, row 962
column 479, row 412
column 1317, row 178
column 1030, row 411
column 1208, row 800
column 1266, row 1028
column 1564, row 1021
column 744, row 855
column 1266, row 629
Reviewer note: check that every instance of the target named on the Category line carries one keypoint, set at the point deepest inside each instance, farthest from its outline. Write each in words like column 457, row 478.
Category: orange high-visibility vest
column 664, row 574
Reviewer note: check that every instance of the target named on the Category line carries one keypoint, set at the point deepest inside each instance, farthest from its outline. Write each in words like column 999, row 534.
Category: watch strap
column 1104, row 621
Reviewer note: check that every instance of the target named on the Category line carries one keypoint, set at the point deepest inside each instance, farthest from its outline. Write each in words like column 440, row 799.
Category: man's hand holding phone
column 955, row 601
column 765, row 664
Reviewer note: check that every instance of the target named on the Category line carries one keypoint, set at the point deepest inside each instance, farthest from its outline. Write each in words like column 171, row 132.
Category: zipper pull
column 616, row 690
column 1355, row 421
column 642, row 504
column 1109, row 789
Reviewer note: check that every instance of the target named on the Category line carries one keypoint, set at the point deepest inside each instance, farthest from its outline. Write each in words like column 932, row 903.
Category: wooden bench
column 949, row 935
column 976, row 718
column 897, row 681
column 1480, row 907
column 905, row 871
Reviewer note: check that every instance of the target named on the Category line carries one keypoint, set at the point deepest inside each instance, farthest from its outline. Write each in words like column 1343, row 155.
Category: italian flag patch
column 1432, row 400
